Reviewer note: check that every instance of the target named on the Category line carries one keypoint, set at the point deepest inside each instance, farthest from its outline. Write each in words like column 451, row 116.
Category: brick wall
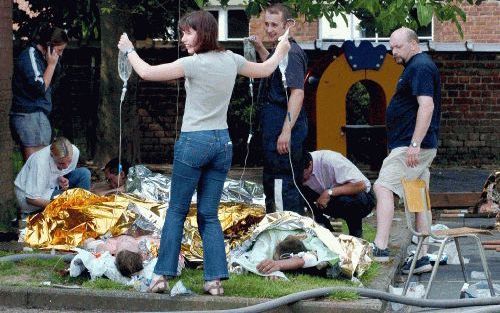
column 482, row 25
column 302, row 32
column 470, row 108
column 6, row 177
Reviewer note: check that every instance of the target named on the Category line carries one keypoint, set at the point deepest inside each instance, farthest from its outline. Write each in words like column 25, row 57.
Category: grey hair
column 61, row 147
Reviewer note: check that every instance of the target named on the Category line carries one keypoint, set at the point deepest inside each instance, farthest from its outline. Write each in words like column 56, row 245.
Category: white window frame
column 354, row 34
column 223, row 21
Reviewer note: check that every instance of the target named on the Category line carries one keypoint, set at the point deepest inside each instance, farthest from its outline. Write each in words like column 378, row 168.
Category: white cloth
column 39, row 176
column 332, row 169
column 266, row 242
column 210, row 79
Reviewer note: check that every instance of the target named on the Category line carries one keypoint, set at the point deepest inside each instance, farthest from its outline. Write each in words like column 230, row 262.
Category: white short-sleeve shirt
column 331, row 169
column 39, row 176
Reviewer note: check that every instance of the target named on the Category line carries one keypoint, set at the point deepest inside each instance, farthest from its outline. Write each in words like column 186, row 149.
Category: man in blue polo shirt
column 412, row 120
column 283, row 120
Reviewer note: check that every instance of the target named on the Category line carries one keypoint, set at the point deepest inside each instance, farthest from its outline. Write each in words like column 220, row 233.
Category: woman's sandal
column 213, row 288
column 159, row 285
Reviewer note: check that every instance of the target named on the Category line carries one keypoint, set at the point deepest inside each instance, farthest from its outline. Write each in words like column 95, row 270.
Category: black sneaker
column 380, row 255
column 423, row 265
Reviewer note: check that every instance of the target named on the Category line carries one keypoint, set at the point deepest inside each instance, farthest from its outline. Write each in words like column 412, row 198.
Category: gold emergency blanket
column 78, row 214
column 354, row 253
column 236, row 220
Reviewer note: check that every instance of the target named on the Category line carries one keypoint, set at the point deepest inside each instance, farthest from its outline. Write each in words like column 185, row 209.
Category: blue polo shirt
column 419, row 78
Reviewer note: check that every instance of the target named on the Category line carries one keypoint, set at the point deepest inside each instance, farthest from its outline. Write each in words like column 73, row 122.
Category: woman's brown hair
column 206, row 28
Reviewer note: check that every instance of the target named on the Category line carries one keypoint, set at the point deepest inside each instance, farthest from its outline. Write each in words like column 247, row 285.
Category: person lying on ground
column 292, row 256
column 116, row 177
column 130, row 252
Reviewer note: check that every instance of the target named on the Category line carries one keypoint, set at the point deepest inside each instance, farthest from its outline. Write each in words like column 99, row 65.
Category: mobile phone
column 49, row 48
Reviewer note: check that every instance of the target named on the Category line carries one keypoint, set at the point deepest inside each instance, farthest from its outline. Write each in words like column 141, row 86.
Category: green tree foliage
column 81, row 18
column 158, row 18
column 382, row 15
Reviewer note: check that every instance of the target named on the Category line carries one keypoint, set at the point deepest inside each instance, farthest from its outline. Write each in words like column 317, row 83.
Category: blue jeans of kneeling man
column 78, row 178
column 201, row 161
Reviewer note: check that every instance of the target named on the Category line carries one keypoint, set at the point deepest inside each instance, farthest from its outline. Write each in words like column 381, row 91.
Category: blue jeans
column 78, row 178
column 201, row 161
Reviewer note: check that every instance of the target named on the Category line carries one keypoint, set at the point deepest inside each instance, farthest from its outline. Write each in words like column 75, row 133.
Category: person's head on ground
column 53, row 37
column 61, row 152
column 111, row 170
column 199, row 31
column 290, row 245
column 404, row 45
column 276, row 20
column 307, row 165
column 128, row 262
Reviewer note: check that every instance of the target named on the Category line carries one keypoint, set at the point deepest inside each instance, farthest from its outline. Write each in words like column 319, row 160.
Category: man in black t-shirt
column 283, row 120
column 412, row 120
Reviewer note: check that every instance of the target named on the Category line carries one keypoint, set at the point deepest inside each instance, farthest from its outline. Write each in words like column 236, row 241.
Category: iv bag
column 284, row 62
column 249, row 50
column 283, row 65
column 124, row 66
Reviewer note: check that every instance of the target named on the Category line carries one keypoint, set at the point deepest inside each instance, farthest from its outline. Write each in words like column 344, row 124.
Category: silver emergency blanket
column 156, row 187
column 354, row 253
column 266, row 242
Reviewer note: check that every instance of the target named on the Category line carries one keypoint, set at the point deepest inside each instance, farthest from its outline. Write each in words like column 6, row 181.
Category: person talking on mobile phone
column 36, row 72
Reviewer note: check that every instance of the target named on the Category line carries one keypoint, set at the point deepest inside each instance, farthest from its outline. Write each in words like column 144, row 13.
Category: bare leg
column 422, row 223
column 27, row 151
column 385, row 213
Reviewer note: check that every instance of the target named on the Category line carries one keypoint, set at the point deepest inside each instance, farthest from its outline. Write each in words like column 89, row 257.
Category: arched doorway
column 365, row 130
column 332, row 90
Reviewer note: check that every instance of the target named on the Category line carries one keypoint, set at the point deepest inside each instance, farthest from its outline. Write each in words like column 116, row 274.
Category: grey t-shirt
column 209, row 84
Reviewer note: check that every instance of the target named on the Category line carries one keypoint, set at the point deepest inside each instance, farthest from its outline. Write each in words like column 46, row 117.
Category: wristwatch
column 129, row 50
column 330, row 192
column 414, row 144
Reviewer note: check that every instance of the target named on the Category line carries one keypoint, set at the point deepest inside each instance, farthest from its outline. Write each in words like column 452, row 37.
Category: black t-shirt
column 295, row 74
column 419, row 78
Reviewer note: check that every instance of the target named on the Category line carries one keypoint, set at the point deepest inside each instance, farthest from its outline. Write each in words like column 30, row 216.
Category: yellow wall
column 333, row 87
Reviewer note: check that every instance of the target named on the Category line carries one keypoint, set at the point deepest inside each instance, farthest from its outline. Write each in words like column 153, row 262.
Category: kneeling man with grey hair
column 47, row 173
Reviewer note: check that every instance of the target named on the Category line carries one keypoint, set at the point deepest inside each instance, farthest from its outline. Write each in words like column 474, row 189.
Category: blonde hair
column 61, row 148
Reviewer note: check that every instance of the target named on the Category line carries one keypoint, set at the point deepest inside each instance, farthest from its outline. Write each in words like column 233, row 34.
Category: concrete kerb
column 63, row 299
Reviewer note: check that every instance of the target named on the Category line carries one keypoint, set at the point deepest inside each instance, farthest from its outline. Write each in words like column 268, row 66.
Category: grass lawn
column 33, row 272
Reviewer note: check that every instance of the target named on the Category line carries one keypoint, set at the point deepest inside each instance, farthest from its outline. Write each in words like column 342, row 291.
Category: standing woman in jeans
column 203, row 153
column 36, row 71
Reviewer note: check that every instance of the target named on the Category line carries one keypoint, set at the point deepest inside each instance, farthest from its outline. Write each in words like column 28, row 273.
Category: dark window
column 237, row 24
column 215, row 14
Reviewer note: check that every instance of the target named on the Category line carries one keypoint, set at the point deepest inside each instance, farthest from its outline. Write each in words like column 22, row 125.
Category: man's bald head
column 404, row 44
column 407, row 33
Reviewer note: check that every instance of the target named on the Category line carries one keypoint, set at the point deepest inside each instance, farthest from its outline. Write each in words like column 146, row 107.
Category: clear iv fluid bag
column 249, row 50
column 124, row 66
column 283, row 65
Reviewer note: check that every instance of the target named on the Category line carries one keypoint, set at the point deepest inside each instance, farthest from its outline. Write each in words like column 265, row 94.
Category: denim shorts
column 30, row 129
